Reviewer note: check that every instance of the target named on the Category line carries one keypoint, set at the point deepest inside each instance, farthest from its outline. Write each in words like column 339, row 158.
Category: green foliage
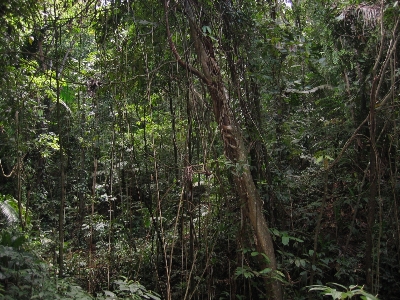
column 245, row 271
column 128, row 289
column 25, row 276
column 285, row 237
column 9, row 208
column 146, row 179
column 248, row 272
column 67, row 94
column 348, row 293
column 10, row 240
column 47, row 144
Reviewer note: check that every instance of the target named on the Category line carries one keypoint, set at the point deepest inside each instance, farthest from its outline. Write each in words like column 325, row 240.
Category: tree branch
column 175, row 51
column 347, row 144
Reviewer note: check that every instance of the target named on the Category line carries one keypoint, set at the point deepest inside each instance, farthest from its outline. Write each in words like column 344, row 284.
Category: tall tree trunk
column 373, row 188
column 234, row 147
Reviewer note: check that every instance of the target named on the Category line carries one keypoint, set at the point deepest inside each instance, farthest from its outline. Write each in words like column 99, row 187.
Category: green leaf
column 9, row 208
column 206, row 29
column 109, row 294
column 297, row 263
column 66, row 94
column 266, row 258
column 336, row 294
column 274, row 231
column 285, row 240
column 266, row 271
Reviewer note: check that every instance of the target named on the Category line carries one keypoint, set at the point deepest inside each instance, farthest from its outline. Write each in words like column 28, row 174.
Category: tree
column 231, row 134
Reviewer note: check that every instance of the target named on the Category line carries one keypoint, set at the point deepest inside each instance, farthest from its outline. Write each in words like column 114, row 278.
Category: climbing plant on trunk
column 235, row 149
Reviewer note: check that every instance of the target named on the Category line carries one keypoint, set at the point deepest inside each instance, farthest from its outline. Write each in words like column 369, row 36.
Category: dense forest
column 196, row 149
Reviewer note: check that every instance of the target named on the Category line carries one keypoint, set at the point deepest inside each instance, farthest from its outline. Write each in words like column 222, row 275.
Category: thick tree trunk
column 236, row 152
column 234, row 146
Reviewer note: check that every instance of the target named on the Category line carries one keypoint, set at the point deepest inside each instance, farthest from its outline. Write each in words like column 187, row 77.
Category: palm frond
column 9, row 209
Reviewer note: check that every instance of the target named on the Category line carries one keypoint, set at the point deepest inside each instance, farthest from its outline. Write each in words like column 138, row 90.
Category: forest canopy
column 193, row 149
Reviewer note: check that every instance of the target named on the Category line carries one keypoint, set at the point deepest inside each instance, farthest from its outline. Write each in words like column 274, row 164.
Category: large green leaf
column 67, row 94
